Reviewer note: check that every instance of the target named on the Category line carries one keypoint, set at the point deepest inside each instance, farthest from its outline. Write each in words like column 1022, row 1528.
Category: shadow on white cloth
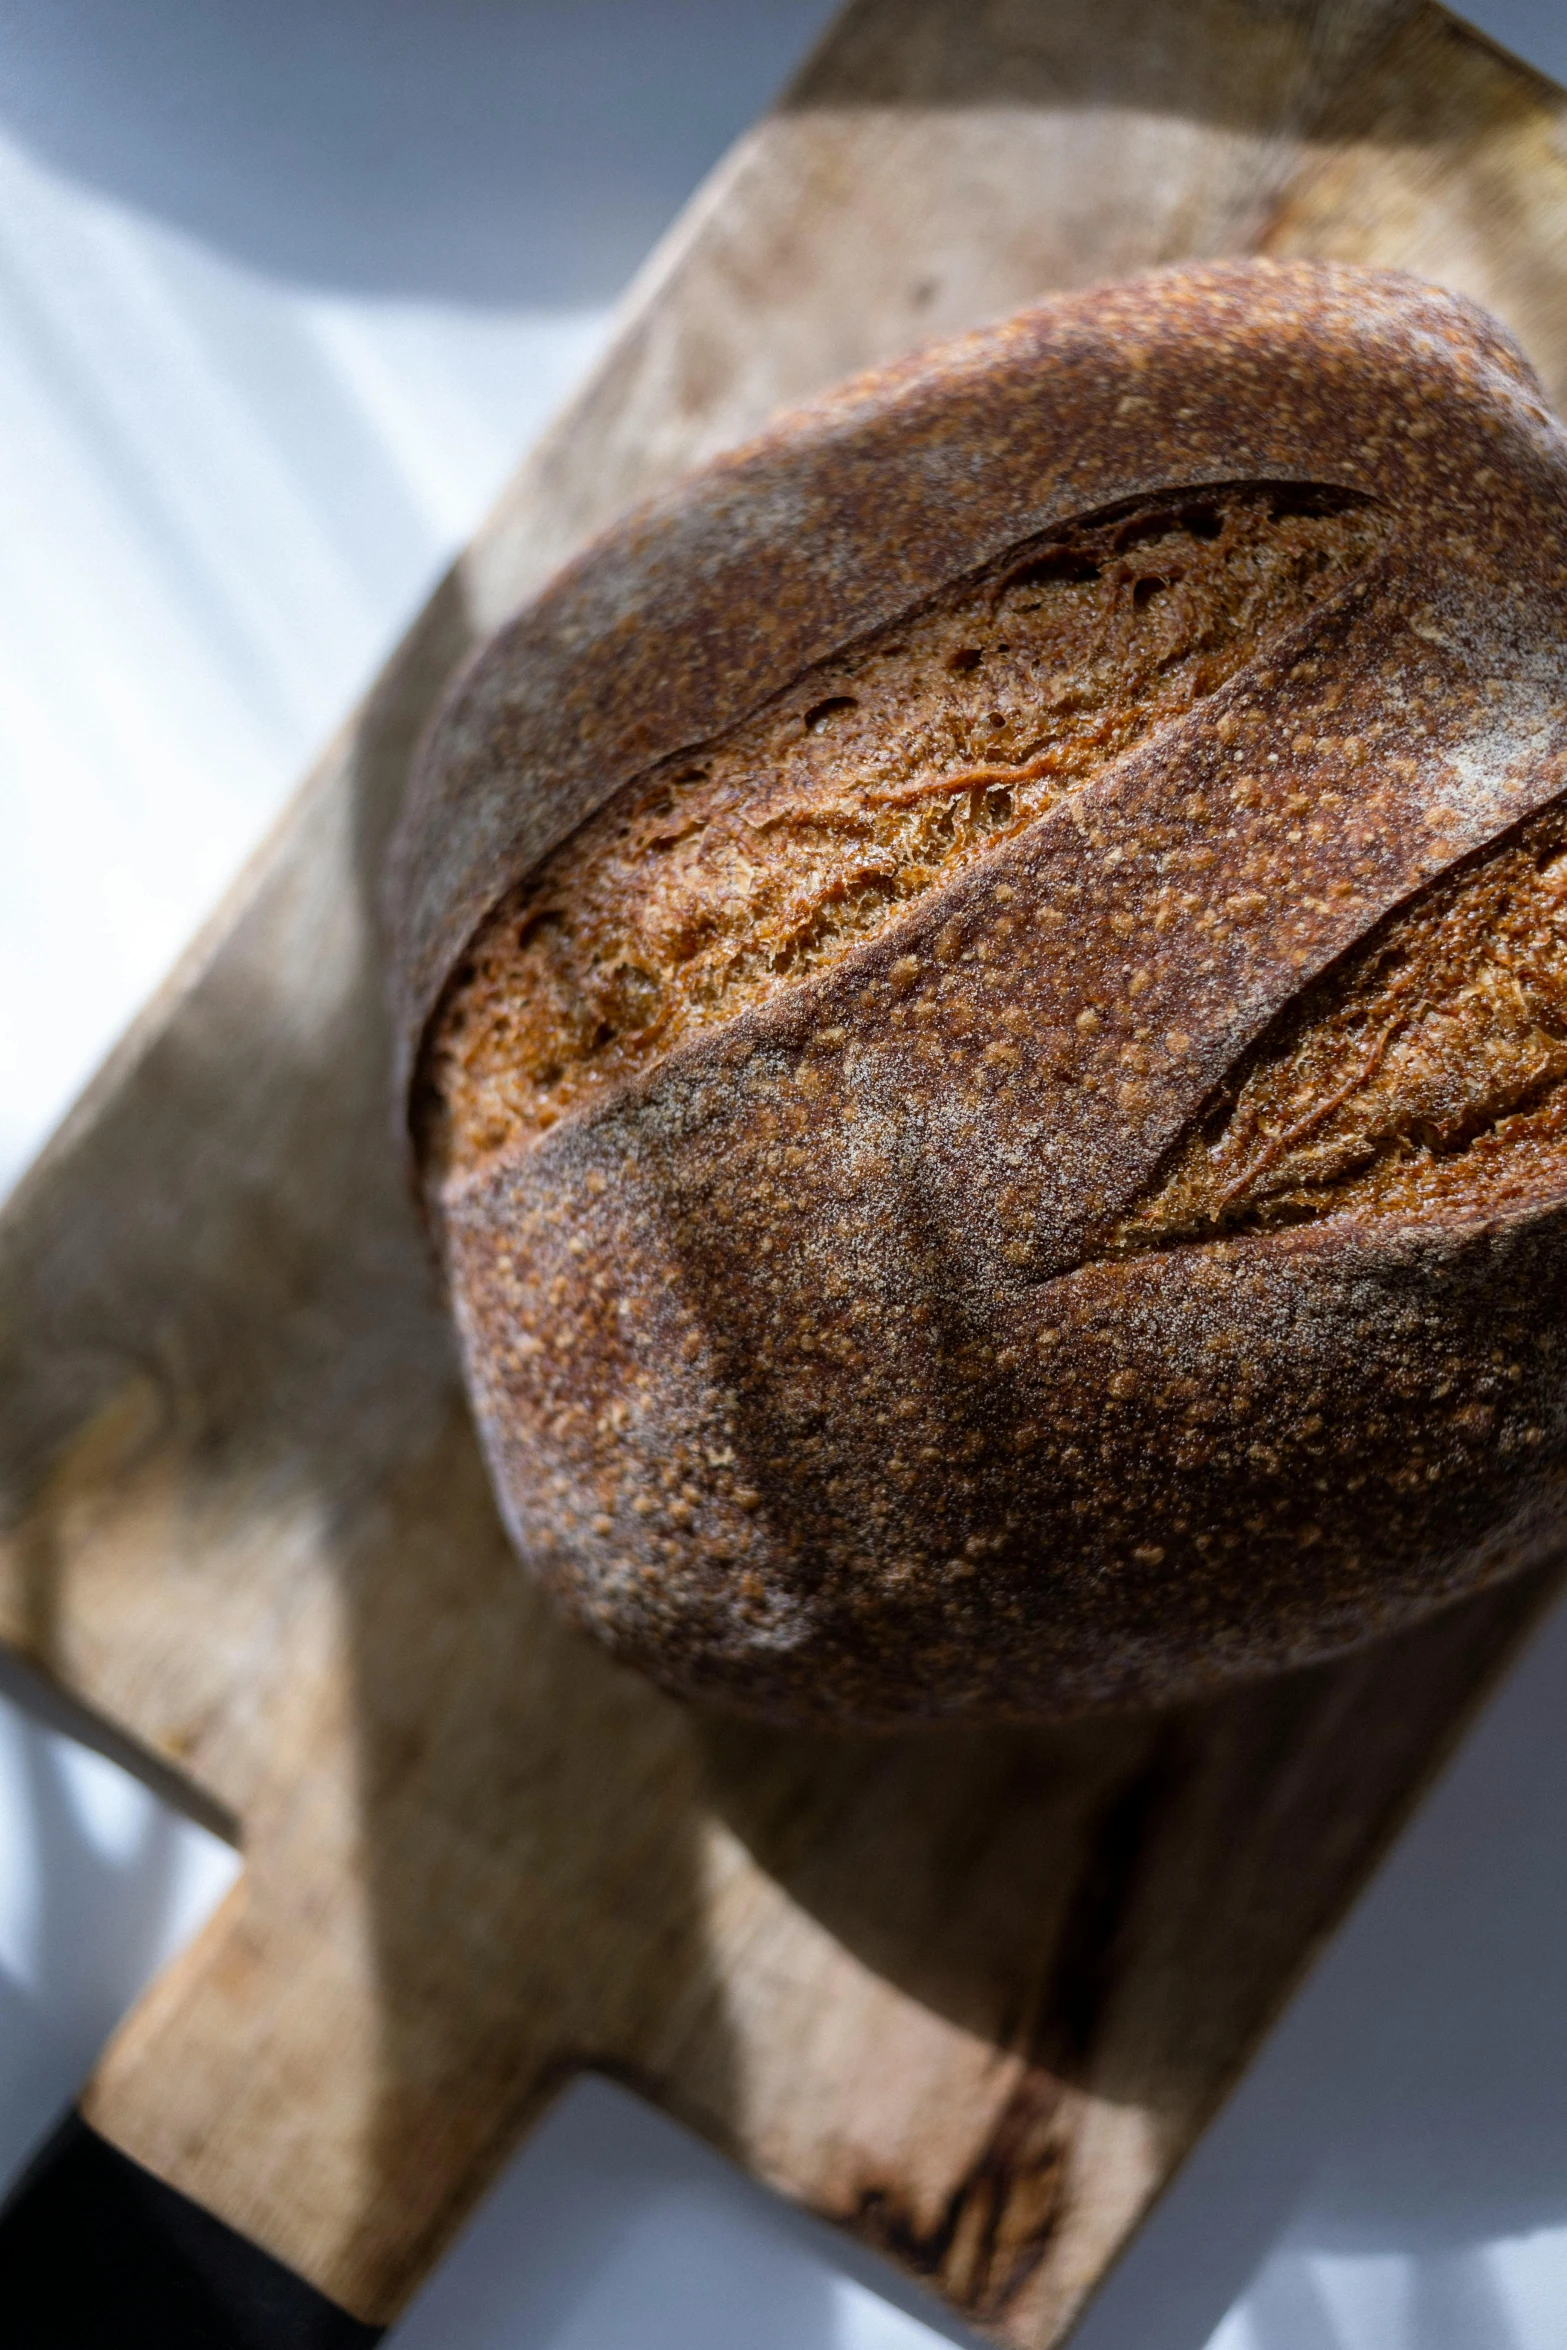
column 100, row 1884
column 284, row 294
column 1392, row 2175
column 482, row 153
column 614, row 2230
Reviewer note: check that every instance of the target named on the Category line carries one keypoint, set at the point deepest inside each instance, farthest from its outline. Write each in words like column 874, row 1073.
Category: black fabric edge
column 98, row 2254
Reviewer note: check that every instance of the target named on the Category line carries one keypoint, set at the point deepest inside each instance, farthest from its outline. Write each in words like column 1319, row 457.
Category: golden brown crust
column 1427, row 1073
column 922, row 1332
column 871, row 782
column 708, row 600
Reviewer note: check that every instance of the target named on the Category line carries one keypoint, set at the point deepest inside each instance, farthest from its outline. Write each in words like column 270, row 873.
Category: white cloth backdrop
column 283, row 292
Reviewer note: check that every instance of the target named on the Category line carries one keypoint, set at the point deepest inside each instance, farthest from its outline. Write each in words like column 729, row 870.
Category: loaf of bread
column 982, row 995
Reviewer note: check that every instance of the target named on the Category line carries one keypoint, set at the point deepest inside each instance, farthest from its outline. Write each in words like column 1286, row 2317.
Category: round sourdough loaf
column 982, row 992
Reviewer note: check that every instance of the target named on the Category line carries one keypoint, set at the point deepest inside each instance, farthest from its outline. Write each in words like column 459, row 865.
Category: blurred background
column 284, row 293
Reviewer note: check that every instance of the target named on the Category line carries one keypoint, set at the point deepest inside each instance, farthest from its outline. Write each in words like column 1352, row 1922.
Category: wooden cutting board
column 971, row 1995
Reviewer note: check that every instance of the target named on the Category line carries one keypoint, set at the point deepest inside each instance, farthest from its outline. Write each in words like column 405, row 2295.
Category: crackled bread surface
column 1428, row 1075
column 985, row 997
column 701, row 890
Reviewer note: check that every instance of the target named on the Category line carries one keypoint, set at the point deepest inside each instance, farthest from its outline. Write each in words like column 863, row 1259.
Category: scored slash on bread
column 880, row 776
column 985, row 1157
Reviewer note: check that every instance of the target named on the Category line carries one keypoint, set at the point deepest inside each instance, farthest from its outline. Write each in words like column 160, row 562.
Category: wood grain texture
column 972, row 1995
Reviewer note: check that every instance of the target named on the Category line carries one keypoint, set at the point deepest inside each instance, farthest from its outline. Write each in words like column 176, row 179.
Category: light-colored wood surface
column 972, row 1995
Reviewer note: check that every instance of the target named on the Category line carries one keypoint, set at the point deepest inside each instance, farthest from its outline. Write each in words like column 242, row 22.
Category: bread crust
column 813, row 1365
